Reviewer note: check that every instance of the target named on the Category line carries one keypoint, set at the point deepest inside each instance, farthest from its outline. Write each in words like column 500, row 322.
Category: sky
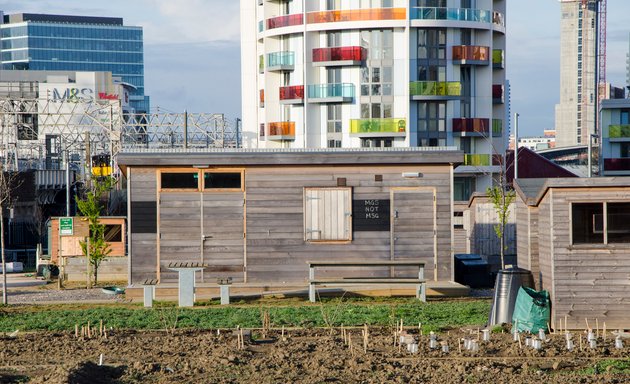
column 192, row 52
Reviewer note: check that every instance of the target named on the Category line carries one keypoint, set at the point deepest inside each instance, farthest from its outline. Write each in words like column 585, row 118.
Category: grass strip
column 433, row 316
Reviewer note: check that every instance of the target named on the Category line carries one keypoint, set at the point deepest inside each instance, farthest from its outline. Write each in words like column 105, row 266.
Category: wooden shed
column 575, row 233
column 266, row 213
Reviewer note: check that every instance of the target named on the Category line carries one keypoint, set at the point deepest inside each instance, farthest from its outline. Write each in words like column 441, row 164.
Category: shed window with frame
column 328, row 214
column 179, row 180
column 600, row 223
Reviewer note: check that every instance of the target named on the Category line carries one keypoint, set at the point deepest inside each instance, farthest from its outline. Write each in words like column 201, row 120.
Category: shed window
column 328, row 214
column 618, row 222
column 221, row 180
column 179, row 180
column 594, row 223
column 587, row 223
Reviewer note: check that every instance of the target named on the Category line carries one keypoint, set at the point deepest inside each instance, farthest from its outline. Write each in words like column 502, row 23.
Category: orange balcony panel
column 281, row 130
column 261, row 95
column 356, row 15
column 471, row 55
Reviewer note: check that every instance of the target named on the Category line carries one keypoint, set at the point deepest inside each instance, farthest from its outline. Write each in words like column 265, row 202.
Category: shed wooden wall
column 527, row 245
column 143, row 241
column 484, row 240
column 71, row 246
column 275, row 251
column 586, row 280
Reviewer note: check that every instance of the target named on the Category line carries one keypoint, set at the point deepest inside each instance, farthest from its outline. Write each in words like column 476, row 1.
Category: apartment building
column 378, row 73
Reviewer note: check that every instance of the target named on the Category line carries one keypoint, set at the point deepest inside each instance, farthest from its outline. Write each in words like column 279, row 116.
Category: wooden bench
column 419, row 281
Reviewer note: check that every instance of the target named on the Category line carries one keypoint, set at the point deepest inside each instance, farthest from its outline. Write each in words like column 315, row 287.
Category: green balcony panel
column 477, row 160
column 497, row 127
column 619, row 131
column 498, row 58
column 378, row 127
column 332, row 92
column 435, row 88
column 261, row 63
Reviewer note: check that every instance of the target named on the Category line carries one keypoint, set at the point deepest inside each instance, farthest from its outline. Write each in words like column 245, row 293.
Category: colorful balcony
column 618, row 166
column 498, row 94
column 293, row 94
column 261, row 64
column 356, row 15
column 261, row 98
column 338, row 56
column 261, row 131
column 619, row 132
column 477, row 160
column 471, row 55
column 498, row 19
column 435, row 90
column 261, row 26
column 282, row 130
column 497, row 128
column 378, row 127
column 471, row 127
column 285, row 21
column 330, row 93
column 498, row 58
column 452, row 14
column 281, row 61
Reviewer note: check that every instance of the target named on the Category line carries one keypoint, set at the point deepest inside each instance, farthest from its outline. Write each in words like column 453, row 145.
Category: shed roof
column 532, row 191
column 250, row 157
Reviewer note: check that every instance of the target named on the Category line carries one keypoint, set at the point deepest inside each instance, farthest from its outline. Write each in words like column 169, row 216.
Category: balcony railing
column 293, row 94
column 282, row 130
column 618, row 164
column 281, row 61
column 471, row 54
column 356, row 15
column 477, row 160
column 261, row 64
column 338, row 92
column 261, row 26
column 498, row 19
column 497, row 127
column 378, row 127
column 261, row 98
column 435, row 88
column 285, row 21
column 498, row 58
column 339, row 56
column 619, row 131
column 497, row 94
column 454, row 14
column 471, row 127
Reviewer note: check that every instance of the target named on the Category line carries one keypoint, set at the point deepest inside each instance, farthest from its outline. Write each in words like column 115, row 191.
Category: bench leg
column 421, row 292
column 311, row 292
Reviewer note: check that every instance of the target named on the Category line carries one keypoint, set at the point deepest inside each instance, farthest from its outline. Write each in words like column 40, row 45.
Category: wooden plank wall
column 527, row 232
column 590, row 281
column 276, row 250
column 143, row 245
column 484, row 239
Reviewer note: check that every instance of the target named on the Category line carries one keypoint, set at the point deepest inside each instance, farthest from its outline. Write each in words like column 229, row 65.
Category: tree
column 8, row 183
column 501, row 198
column 96, row 249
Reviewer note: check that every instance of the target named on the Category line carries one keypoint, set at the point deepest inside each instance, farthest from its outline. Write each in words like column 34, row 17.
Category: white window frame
column 327, row 214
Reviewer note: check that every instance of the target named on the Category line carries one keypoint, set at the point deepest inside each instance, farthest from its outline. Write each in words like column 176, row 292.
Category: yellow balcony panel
column 390, row 127
column 281, row 130
column 435, row 90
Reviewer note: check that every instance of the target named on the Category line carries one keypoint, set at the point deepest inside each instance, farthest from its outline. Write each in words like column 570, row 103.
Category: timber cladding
column 284, row 216
column 581, row 232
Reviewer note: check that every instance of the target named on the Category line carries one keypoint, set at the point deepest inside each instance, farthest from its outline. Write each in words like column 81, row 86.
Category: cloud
column 192, row 21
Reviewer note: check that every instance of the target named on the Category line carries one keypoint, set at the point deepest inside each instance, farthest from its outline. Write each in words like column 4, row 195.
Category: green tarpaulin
column 531, row 310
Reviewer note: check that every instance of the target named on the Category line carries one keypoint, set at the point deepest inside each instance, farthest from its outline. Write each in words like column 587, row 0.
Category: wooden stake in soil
column 566, row 318
column 597, row 328
column 586, row 320
column 580, row 336
column 100, row 329
column 89, row 333
column 519, row 341
column 604, row 331
column 76, row 331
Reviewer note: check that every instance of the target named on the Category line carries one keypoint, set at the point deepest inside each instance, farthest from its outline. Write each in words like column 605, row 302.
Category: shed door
column 413, row 228
column 222, row 230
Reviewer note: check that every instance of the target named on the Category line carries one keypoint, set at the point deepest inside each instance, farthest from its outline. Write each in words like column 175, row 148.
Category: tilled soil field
column 301, row 356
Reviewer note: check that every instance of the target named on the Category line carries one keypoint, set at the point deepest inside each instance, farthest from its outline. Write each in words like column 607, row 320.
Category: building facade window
column 328, row 214
column 432, row 124
column 376, row 142
column 600, row 223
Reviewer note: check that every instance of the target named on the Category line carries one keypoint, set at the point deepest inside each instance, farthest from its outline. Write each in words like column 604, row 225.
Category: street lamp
column 590, row 153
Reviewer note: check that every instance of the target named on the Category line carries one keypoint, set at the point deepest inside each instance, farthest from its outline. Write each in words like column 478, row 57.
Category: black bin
column 476, row 273
column 459, row 264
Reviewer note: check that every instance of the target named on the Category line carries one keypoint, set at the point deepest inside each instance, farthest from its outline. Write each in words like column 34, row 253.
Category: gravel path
column 48, row 296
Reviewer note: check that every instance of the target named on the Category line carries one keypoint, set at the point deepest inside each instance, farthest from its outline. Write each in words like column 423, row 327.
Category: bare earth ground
column 303, row 356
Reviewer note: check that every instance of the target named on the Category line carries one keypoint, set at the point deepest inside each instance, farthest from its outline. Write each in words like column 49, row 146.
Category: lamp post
column 516, row 146
column 590, row 153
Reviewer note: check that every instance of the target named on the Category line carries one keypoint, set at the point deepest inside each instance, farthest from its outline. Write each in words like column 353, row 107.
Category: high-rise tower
column 576, row 112
column 378, row 73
